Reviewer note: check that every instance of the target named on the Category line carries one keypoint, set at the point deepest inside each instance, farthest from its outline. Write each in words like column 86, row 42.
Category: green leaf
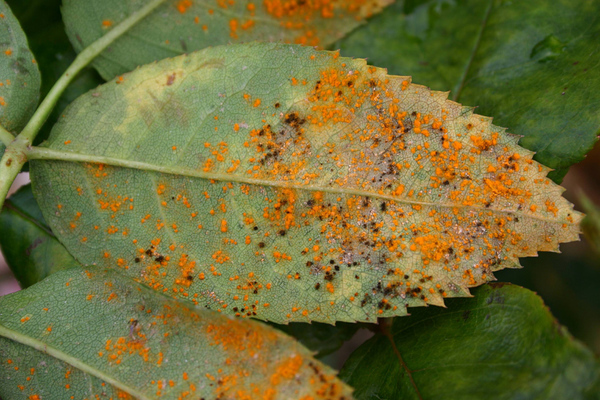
column 182, row 26
column 533, row 66
column 290, row 184
column 19, row 75
column 591, row 223
column 87, row 333
column 323, row 339
column 28, row 245
column 501, row 344
column 42, row 22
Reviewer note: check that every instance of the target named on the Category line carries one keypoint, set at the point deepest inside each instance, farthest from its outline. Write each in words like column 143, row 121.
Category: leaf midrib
column 42, row 153
column 463, row 78
column 59, row 355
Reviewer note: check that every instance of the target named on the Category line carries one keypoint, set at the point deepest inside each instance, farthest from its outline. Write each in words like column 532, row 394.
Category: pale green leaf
column 291, row 184
column 182, row 26
column 94, row 333
column 19, row 75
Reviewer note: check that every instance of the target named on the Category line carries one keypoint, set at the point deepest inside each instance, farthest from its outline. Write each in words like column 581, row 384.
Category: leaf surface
column 503, row 344
column 182, row 26
column 19, row 75
column 532, row 66
column 290, row 184
column 28, row 245
column 94, row 333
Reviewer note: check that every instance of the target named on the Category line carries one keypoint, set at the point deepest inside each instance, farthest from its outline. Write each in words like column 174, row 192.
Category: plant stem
column 81, row 61
column 15, row 155
column 10, row 166
column 6, row 137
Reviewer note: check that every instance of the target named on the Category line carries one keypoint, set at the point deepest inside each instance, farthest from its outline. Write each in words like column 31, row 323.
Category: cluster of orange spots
column 135, row 343
column 186, row 268
column 236, row 336
column 287, row 369
column 106, row 23
column 281, row 256
column 183, row 5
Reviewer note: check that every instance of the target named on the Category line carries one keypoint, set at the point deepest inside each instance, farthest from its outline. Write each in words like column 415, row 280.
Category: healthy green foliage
column 501, row 344
column 29, row 247
column 182, row 26
column 143, row 345
column 324, row 190
column 530, row 64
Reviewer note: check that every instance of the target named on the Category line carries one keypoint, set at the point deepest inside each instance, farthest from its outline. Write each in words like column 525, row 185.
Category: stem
column 15, row 155
column 6, row 137
column 81, row 61
column 12, row 161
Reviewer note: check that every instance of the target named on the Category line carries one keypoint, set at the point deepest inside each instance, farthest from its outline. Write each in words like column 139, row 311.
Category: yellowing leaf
column 84, row 334
column 290, row 184
column 181, row 26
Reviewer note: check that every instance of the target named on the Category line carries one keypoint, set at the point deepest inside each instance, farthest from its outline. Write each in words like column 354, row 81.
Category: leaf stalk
column 6, row 137
column 10, row 165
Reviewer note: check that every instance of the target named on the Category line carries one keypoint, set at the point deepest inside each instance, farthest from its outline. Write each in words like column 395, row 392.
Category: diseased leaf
column 19, row 75
column 28, row 245
column 289, row 184
column 501, row 344
column 182, row 26
column 145, row 346
column 531, row 65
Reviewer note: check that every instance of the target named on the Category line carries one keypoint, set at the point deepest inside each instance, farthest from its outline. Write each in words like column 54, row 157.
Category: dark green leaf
column 28, row 245
column 533, row 65
column 182, row 26
column 92, row 333
column 321, row 338
column 501, row 344
column 19, row 75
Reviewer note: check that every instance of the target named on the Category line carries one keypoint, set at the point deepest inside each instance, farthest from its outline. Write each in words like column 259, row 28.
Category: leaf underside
column 182, row 26
column 145, row 346
column 503, row 344
column 290, row 184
